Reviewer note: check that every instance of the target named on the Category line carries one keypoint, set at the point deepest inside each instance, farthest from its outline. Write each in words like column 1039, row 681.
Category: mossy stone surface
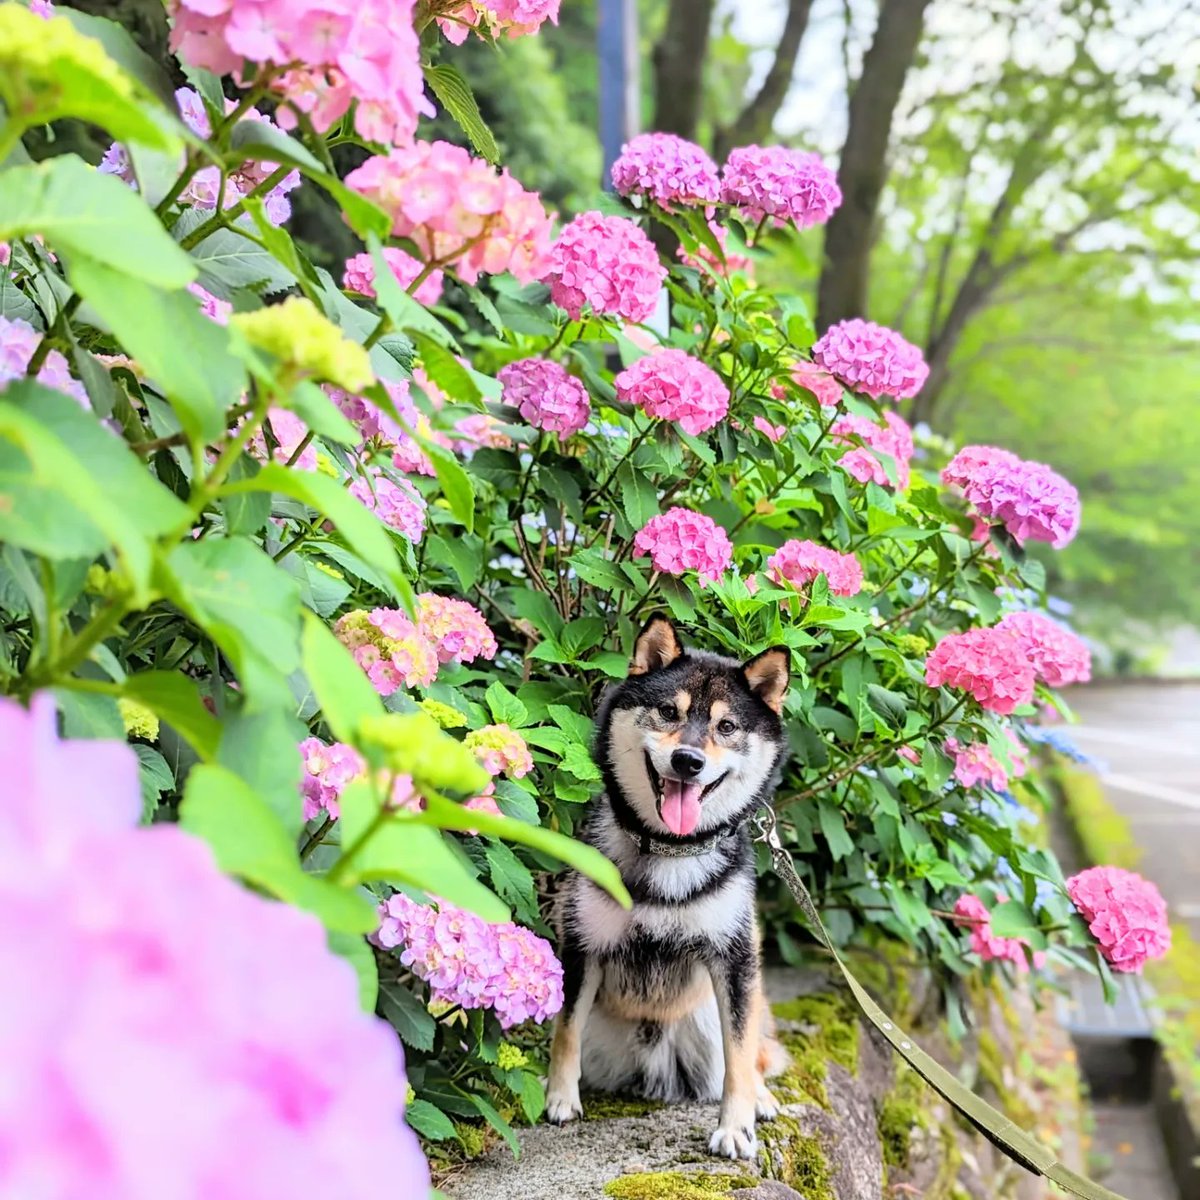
column 796, row 1158
column 677, row 1185
column 605, row 1106
column 830, row 1034
column 903, row 1110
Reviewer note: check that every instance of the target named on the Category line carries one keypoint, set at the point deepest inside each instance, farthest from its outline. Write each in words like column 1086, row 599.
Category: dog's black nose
column 687, row 762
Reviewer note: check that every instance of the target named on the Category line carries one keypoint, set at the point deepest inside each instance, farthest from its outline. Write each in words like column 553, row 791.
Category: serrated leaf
column 833, row 826
column 456, row 97
column 405, row 1013
column 227, row 261
column 512, row 881
column 175, row 699
column 358, row 953
column 455, row 483
column 504, row 706
column 429, row 1122
column 497, row 1122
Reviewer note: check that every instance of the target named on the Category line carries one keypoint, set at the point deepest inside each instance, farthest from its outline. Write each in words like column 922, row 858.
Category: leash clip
column 765, row 829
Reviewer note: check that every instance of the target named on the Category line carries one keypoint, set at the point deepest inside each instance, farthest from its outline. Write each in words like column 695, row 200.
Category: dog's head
column 692, row 740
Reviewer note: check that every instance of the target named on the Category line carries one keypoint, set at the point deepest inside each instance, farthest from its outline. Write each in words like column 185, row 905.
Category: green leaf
column 429, row 1122
column 504, row 706
column 260, row 747
column 532, row 1096
column 444, row 370
column 154, row 776
column 497, row 1122
column 578, row 762
column 249, row 607
column 362, row 530
column 152, row 325
column 639, row 498
column 245, row 512
column 55, row 449
column 343, row 691
column 891, row 706
column 89, row 715
column 406, row 1015
column 175, row 699
column 229, row 262
column 360, row 956
column 249, row 841
column 82, row 212
column 512, row 881
column 404, row 309
column 583, row 858
column 1013, row 919
column 455, row 96
column 833, row 826
column 592, row 567
column 455, row 483
column 401, row 849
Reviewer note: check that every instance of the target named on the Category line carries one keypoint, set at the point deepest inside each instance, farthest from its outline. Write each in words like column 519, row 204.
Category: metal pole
column 620, row 94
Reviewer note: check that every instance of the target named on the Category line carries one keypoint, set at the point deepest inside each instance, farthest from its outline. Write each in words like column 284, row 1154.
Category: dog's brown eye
column 727, row 726
column 668, row 712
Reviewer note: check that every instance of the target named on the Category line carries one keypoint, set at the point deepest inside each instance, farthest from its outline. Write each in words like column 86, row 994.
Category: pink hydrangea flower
column 668, row 169
column 468, row 962
column 213, row 308
column 367, row 54
column 820, row 383
column 455, row 629
column 909, row 755
column 359, row 275
column 680, row 540
column 988, row 663
column 381, row 431
column 974, row 914
column 778, row 182
column 546, row 395
column 893, row 438
column 975, row 763
column 800, row 562
column 152, row 976
column 18, row 343
column 704, row 257
column 674, row 386
column 289, row 431
column 605, row 264
column 479, row 431
column 501, row 751
column 872, row 359
column 327, row 770
column 1059, row 656
column 396, row 503
column 513, row 17
column 1125, row 913
column 458, row 210
column 772, row 432
column 389, row 648
column 1028, row 498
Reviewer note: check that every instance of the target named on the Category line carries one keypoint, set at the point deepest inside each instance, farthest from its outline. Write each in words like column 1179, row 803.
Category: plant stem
column 316, row 837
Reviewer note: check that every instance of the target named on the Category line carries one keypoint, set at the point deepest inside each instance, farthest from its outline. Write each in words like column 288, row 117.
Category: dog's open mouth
column 679, row 800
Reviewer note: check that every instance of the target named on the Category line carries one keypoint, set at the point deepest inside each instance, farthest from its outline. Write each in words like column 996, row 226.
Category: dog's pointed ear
column 657, row 646
column 767, row 674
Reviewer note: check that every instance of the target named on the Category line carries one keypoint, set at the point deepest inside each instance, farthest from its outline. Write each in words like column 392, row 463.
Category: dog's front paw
column 733, row 1141
column 562, row 1107
column 766, row 1107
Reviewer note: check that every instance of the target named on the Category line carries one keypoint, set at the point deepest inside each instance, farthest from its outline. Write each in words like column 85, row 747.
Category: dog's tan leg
column 771, row 1059
column 737, row 984
column 562, row 1087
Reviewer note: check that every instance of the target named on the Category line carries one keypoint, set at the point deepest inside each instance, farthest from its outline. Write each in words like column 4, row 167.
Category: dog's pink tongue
column 680, row 806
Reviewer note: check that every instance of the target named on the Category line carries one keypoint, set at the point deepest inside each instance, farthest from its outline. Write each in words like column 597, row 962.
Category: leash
column 1019, row 1145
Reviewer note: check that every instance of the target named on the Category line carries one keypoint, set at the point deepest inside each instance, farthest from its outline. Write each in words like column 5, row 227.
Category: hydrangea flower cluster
column 327, row 771
column 288, row 432
column 18, row 343
column 772, row 432
column 819, row 382
column 366, row 54
column 988, row 663
column 546, row 395
column 1125, row 913
column 211, row 306
column 480, row 431
column 985, row 943
column 871, row 359
column 778, row 182
column 501, row 751
column 800, row 562
column 514, row 17
column 458, row 210
column 204, row 188
column 606, row 264
column 396, row 503
column 359, row 275
column 469, row 962
column 680, row 540
column 383, row 432
column 389, row 648
column 667, row 169
column 1059, row 656
column 1028, row 498
column 704, row 257
column 97, row 907
column 455, row 629
column 863, row 462
column 674, row 386
column 975, row 763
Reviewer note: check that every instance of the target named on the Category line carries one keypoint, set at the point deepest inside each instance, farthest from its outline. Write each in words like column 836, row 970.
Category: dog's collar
column 656, row 847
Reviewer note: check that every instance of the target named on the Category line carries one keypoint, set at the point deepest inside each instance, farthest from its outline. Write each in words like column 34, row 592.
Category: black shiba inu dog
column 666, row 1000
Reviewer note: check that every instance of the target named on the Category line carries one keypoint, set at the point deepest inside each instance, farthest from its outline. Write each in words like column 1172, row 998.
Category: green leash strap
column 1020, row 1146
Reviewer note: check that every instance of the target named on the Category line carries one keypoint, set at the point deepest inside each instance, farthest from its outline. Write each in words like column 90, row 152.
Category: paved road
column 1149, row 740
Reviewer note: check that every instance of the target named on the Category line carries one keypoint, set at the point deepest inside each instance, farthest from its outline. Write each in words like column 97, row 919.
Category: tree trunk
column 755, row 121
column 678, row 62
column 842, row 291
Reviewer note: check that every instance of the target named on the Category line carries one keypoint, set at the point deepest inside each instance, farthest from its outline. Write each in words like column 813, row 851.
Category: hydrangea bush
column 347, row 559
